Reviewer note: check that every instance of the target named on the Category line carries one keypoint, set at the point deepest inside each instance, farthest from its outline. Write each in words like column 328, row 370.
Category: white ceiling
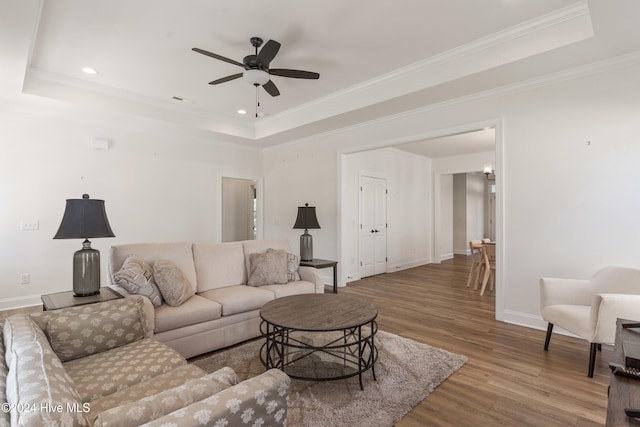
column 374, row 57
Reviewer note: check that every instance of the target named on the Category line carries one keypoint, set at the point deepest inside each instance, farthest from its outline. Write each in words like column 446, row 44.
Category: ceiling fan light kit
column 256, row 77
column 256, row 66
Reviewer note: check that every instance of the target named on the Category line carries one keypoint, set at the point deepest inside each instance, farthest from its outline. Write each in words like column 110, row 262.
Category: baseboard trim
column 399, row 267
column 20, row 302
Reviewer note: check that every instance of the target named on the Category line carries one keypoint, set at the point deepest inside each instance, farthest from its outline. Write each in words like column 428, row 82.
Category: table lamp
column 83, row 219
column 306, row 219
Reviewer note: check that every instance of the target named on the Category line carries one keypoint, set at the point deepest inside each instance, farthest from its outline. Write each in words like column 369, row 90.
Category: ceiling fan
column 257, row 71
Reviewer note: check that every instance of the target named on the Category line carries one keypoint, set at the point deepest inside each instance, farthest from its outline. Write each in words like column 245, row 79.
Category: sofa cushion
column 219, row 265
column 42, row 318
column 136, row 277
column 179, row 253
column 267, row 268
column 165, row 402
column 195, row 310
column 257, row 401
column 291, row 288
column 174, row 286
column 157, row 384
column 37, row 379
column 238, row 299
column 105, row 373
column 75, row 335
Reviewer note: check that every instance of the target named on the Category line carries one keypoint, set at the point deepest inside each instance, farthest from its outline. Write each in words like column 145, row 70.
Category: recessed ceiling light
column 242, row 111
column 89, row 70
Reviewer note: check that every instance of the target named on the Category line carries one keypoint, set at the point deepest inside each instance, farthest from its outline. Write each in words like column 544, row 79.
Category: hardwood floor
column 509, row 379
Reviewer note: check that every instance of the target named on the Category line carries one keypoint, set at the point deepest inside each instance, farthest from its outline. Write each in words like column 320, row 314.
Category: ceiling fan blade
column 268, row 52
column 271, row 88
column 226, row 79
column 296, row 74
column 216, row 56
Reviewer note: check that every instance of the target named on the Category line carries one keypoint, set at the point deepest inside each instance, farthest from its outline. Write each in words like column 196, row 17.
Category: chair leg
column 471, row 273
column 592, row 358
column 485, row 280
column 479, row 272
column 548, row 338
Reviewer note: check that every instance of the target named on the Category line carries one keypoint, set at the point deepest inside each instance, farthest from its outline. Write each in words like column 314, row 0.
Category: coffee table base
column 320, row 355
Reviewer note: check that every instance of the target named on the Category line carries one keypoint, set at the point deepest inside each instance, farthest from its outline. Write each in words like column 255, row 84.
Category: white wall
column 409, row 217
column 444, row 169
column 468, row 210
column 460, row 213
column 476, row 209
column 158, row 185
column 568, row 208
column 445, row 211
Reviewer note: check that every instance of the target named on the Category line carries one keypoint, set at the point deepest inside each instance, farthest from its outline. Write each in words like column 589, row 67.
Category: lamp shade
column 84, row 218
column 306, row 218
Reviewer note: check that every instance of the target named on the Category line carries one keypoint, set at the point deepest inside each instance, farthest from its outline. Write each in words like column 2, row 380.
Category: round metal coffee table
column 320, row 337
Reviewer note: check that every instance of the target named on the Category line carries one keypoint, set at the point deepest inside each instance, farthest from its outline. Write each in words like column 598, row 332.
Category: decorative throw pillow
column 174, row 286
column 268, row 268
column 293, row 262
column 136, row 277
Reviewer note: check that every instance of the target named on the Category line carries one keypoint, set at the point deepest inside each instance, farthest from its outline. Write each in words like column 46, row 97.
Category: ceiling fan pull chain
column 257, row 99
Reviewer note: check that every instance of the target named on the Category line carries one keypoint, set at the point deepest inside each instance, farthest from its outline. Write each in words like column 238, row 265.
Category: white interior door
column 373, row 226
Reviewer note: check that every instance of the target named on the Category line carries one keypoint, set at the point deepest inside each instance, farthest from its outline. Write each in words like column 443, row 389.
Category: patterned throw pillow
column 268, row 268
column 78, row 335
column 136, row 277
column 293, row 262
column 174, row 286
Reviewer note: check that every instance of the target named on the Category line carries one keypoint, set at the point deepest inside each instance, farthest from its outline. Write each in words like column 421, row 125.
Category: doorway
column 373, row 226
column 240, row 209
column 348, row 227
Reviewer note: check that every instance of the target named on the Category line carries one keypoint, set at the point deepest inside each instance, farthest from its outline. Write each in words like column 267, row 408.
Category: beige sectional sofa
column 224, row 309
column 97, row 365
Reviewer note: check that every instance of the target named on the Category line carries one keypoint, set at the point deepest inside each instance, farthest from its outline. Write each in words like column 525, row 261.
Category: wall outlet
column 28, row 225
column 25, row 278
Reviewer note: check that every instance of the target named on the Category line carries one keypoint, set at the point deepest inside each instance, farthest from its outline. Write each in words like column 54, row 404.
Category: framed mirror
column 240, row 209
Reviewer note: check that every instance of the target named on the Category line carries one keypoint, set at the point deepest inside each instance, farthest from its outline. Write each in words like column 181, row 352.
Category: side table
column 623, row 392
column 65, row 299
column 324, row 263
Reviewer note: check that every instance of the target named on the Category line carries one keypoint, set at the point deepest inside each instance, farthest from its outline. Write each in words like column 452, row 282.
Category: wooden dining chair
column 475, row 246
column 489, row 261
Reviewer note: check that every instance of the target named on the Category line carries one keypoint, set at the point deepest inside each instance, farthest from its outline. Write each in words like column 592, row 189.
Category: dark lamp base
column 86, row 271
column 306, row 247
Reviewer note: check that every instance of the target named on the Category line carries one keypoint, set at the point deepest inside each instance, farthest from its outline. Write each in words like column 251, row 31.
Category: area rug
column 407, row 372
